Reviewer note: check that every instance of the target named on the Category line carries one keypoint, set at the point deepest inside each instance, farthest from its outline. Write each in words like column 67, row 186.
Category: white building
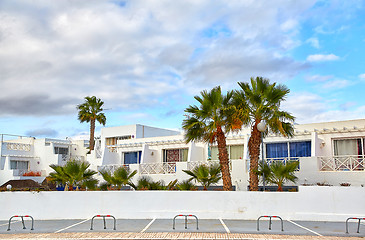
column 329, row 153
column 29, row 158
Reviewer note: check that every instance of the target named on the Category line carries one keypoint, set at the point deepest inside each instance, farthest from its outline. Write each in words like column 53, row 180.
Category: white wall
column 147, row 132
column 310, row 203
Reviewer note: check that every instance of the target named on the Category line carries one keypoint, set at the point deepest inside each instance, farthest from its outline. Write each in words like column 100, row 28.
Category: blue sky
column 147, row 59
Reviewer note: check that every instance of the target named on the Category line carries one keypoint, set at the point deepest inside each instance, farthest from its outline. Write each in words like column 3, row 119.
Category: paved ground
column 162, row 229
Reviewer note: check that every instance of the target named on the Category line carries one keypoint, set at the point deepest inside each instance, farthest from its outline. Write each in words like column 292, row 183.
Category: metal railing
column 342, row 163
column 157, row 168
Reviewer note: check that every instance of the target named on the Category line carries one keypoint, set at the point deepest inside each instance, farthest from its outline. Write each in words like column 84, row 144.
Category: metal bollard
column 270, row 223
column 104, row 216
column 186, row 220
column 358, row 224
column 22, row 217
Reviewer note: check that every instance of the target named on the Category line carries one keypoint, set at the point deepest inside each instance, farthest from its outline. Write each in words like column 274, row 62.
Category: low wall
column 310, row 203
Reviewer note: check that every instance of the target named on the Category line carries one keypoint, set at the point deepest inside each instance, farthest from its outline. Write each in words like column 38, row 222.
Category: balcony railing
column 112, row 167
column 270, row 161
column 342, row 163
column 157, row 168
column 29, row 173
column 66, row 157
column 192, row 165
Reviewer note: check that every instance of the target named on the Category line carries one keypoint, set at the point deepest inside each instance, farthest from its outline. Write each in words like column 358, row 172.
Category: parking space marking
column 148, row 225
column 71, row 226
column 11, row 222
column 305, row 228
column 225, row 226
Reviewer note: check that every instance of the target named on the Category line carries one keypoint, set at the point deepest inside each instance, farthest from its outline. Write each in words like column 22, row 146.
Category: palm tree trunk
column 223, row 160
column 254, row 151
column 280, row 188
column 92, row 130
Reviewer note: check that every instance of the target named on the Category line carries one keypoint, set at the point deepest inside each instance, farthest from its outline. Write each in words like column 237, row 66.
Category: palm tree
column 186, row 185
column 120, row 177
column 91, row 111
column 210, row 122
column 74, row 174
column 147, row 183
column 281, row 173
column 205, row 175
column 261, row 102
column 264, row 170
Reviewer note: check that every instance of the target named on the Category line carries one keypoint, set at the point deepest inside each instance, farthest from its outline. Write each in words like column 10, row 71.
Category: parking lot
column 50, row 228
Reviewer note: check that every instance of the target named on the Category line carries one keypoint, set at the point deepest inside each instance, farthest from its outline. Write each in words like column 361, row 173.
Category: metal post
column 22, row 217
column 263, row 161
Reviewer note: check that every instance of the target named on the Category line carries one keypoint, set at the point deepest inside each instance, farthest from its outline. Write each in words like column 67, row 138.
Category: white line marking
column 225, row 226
column 71, row 226
column 148, row 225
column 305, row 228
column 11, row 222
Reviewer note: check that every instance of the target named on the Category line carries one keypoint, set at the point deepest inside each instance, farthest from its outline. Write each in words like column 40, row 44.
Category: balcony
column 28, row 173
column 112, row 167
column 157, row 168
column 342, row 163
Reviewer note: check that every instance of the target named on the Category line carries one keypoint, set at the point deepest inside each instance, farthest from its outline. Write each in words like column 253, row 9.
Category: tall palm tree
column 258, row 102
column 210, row 122
column 281, row 173
column 91, row 111
column 205, row 175
column 74, row 173
column 120, row 177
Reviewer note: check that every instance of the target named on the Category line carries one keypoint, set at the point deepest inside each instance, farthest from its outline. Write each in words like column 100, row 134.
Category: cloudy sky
column 147, row 59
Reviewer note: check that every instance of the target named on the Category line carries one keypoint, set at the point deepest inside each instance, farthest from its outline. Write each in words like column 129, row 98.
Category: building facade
column 29, row 158
column 330, row 153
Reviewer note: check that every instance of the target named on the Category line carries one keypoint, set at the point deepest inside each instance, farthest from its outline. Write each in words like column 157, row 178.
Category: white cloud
column 139, row 54
column 362, row 76
column 318, row 78
column 337, row 84
column 312, row 108
column 322, row 57
column 313, row 42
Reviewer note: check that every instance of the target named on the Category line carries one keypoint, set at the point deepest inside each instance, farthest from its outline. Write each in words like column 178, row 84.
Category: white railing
column 342, row 163
column 18, row 147
column 157, row 168
column 270, row 161
column 19, row 172
column 112, row 167
column 73, row 157
column 192, row 165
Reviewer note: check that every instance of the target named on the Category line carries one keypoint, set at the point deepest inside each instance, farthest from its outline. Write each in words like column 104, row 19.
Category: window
column 111, row 141
column 23, row 165
column 347, row 147
column 234, row 152
column 132, row 157
column 288, row 149
column 61, row 150
column 175, row 155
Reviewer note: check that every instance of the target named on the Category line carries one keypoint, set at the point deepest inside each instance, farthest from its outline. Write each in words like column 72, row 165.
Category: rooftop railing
column 18, row 147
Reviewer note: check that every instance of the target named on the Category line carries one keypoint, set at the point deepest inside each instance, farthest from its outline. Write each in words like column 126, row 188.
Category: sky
column 148, row 59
